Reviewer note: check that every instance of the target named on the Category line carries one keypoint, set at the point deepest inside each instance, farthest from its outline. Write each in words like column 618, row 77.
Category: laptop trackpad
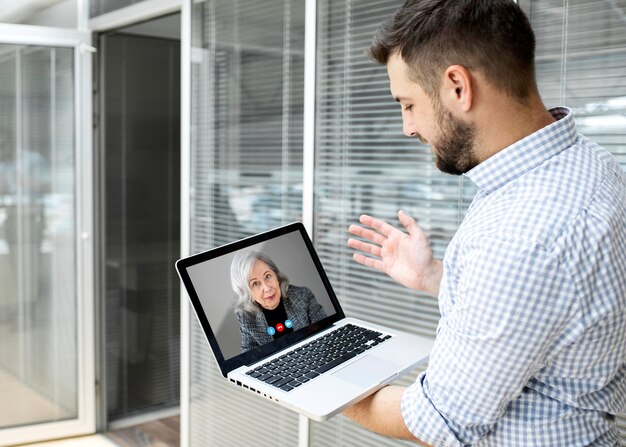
column 368, row 371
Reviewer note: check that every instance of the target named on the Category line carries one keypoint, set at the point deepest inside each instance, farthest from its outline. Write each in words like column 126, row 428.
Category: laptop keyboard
column 312, row 359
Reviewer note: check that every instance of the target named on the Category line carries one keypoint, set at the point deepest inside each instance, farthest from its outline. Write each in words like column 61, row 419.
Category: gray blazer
column 302, row 309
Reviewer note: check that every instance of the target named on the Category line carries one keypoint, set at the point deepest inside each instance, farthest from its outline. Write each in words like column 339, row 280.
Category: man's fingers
column 366, row 233
column 380, row 225
column 409, row 223
column 356, row 230
column 367, row 261
column 364, row 246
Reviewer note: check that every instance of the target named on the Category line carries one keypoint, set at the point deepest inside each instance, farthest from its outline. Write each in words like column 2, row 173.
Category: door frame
column 80, row 41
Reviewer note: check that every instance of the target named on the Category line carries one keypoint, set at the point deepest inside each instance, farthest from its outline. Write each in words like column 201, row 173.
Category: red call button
column 280, row 327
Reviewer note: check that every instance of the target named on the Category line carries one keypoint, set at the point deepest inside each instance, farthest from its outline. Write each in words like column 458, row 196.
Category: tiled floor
column 21, row 404
column 161, row 433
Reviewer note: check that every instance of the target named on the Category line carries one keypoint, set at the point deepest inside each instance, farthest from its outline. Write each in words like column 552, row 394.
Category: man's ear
column 457, row 89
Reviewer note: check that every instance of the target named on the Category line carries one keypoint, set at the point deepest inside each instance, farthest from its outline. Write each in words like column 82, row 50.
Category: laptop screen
column 259, row 295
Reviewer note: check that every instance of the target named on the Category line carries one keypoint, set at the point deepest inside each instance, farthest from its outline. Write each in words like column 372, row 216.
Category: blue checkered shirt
column 531, row 345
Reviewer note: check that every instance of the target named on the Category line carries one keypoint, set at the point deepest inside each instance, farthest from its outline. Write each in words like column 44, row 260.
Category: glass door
column 139, row 87
column 46, row 292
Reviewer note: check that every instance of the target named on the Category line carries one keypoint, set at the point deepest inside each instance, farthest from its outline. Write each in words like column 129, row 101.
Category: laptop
column 277, row 329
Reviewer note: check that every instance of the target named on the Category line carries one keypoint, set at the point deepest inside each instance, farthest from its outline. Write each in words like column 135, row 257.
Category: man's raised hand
column 407, row 258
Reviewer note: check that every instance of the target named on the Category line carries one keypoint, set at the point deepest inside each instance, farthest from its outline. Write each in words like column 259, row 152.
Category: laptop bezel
column 257, row 354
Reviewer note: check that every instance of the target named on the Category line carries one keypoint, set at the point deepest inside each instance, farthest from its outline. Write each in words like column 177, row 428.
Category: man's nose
column 408, row 128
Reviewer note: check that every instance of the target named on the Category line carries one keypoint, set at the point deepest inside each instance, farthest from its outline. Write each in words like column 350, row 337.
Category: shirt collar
column 525, row 154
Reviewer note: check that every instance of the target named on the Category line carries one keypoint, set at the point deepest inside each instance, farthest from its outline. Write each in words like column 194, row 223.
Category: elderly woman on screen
column 267, row 306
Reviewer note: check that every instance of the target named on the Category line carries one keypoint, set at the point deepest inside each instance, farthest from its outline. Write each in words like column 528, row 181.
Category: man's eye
column 409, row 107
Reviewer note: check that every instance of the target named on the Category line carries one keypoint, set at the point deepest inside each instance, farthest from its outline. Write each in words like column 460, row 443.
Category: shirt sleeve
column 507, row 309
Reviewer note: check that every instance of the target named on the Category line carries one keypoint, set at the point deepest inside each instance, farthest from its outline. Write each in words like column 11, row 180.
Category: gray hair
column 240, row 270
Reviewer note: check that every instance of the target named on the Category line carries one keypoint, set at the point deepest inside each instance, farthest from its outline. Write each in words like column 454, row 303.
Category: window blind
column 581, row 61
column 247, row 106
column 99, row 7
column 364, row 164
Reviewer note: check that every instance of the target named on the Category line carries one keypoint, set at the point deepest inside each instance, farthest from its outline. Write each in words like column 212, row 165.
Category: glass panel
column 57, row 13
column 364, row 164
column 247, row 105
column 38, row 332
column 581, row 61
column 141, row 122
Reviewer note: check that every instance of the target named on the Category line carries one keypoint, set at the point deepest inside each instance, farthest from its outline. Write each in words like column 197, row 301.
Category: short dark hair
column 491, row 36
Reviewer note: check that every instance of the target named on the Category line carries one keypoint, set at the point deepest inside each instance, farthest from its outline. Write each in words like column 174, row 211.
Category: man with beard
column 531, row 344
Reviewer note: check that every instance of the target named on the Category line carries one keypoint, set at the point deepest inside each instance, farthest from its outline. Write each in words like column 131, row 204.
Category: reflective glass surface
column 38, row 335
column 140, row 88
column 247, row 164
